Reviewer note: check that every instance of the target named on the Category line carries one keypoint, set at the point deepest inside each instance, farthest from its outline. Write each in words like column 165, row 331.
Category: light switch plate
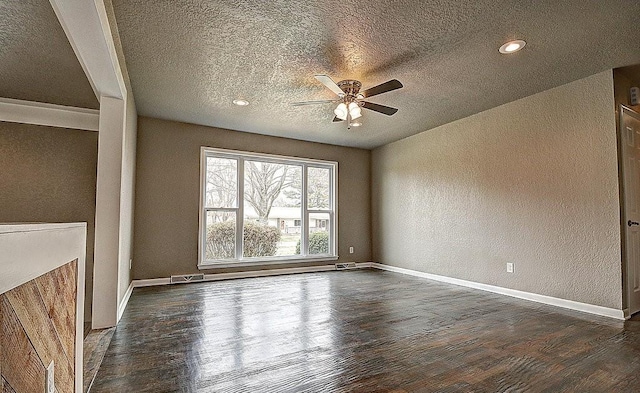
column 509, row 267
column 51, row 383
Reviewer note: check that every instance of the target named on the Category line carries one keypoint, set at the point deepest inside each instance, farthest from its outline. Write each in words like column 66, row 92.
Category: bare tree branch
column 263, row 183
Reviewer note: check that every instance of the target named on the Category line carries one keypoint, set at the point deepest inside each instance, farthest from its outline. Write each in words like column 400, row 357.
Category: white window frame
column 241, row 157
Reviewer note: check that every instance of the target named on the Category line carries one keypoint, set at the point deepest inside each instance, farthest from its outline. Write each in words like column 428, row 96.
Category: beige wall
column 167, row 192
column 532, row 182
column 49, row 175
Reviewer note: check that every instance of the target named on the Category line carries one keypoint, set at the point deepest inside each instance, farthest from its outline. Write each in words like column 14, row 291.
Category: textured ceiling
column 188, row 59
column 37, row 62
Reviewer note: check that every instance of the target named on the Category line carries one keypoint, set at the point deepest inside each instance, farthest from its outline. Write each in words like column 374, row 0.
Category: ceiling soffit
column 37, row 62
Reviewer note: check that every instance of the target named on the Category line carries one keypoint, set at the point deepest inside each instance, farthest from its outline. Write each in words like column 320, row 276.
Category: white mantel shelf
column 28, row 251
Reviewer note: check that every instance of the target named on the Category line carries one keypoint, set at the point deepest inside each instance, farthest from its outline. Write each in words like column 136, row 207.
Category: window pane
column 222, row 182
column 272, row 209
column 318, row 188
column 221, row 235
column 319, row 228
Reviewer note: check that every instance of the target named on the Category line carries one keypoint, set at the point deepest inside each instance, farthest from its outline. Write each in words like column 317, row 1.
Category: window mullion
column 202, row 242
column 304, row 233
column 332, row 223
column 332, row 208
column 240, row 214
column 220, row 209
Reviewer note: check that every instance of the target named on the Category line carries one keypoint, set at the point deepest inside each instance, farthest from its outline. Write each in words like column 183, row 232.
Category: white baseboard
column 553, row 301
column 247, row 274
column 269, row 272
column 152, row 282
column 124, row 301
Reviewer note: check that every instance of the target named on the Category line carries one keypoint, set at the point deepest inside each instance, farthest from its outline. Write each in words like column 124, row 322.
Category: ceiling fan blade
column 313, row 102
column 382, row 88
column 337, row 120
column 330, row 84
column 387, row 110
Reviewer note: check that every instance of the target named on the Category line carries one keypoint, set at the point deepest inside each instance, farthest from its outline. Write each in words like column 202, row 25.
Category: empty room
column 319, row 196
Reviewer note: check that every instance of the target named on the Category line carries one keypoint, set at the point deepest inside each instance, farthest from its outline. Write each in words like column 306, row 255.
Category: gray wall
column 49, row 175
column 167, row 192
column 533, row 182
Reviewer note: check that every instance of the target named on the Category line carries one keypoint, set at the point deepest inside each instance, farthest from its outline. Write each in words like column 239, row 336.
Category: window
column 258, row 208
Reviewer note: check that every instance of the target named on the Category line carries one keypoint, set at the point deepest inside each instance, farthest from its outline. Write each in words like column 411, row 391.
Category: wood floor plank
column 360, row 331
column 95, row 346
column 2, row 349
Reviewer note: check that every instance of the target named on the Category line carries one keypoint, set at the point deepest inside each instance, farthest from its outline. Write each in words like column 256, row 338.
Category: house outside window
column 259, row 208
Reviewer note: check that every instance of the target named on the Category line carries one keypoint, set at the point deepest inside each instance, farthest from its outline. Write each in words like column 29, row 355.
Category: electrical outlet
column 509, row 267
column 50, row 385
column 350, row 250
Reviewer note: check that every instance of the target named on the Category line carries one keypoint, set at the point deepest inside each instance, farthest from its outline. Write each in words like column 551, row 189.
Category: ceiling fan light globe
column 341, row 111
column 354, row 110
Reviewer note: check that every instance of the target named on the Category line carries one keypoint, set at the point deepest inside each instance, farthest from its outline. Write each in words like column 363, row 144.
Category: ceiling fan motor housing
column 351, row 88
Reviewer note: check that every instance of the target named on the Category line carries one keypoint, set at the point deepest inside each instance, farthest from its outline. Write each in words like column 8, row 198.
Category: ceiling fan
column 351, row 99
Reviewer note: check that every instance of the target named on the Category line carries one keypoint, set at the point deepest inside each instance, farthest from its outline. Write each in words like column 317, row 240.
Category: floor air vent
column 187, row 278
column 344, row 266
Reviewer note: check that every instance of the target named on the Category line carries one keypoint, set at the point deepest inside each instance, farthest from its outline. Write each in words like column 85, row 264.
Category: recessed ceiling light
column 512, row 46
column 356, row 124
column 241, row 102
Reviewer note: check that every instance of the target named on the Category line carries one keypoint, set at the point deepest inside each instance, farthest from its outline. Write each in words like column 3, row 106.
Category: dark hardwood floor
column 361, row 331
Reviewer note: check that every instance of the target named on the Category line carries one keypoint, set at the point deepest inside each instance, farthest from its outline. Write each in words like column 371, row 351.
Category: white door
column 630, row 138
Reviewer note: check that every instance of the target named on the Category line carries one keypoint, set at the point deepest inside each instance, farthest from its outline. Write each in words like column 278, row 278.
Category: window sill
column 264, row 262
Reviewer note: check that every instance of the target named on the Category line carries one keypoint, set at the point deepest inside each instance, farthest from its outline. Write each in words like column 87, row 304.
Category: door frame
column 626, row 285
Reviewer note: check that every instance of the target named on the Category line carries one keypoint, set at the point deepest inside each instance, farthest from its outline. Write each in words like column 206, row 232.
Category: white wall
column 533, row 182
column 108, row 219
column 114, row 208
column 127, row 198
